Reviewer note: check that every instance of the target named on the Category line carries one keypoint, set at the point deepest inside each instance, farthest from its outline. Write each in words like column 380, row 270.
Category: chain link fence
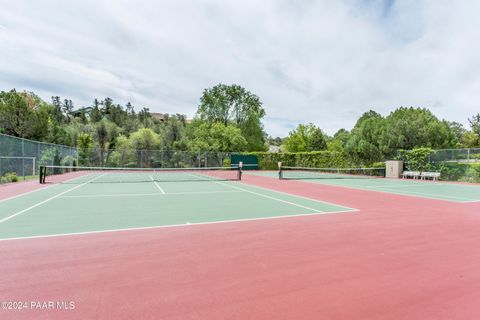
column 471, row 155
column 457, row 164
column 453, row 164
column 151, row 158
column 22, row 157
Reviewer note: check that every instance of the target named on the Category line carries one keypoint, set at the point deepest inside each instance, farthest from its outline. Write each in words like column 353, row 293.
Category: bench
column 411, row 174
column 430, row 175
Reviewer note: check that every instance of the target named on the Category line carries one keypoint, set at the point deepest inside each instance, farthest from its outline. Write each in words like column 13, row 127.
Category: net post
column 280, row 175
column 240, row 166
column 41, row 174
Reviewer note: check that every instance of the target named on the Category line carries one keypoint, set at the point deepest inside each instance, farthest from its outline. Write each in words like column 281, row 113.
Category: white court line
column 265, row 196
column 470, row 201
column 23, row 194
column 46, row 200
column 149, row 194
column 280, row 200
column 393, row 186
column 383, row 189
column 392, row 190
column 44, row 188
column 188, row 224
column 302, row 197
column 158, row 186
column 415, row 184
column 204, row 192
column 269, row 197
column 395, row 192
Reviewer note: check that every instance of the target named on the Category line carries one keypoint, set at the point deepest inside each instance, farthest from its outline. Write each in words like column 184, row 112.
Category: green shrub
column 472, row 173
column 9, row 177
column 451, row 171
column 417, row 159
column 458, row 171
column 378, row 165
column 13, row 177
column 317, row 159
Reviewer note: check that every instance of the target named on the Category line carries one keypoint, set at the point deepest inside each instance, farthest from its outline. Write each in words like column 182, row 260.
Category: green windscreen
column 250, row 162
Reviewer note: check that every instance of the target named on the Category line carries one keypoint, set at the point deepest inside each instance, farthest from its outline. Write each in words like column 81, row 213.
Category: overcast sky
column 324, row 61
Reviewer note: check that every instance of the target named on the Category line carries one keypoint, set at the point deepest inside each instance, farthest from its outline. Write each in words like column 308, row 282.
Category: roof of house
column 158, row 115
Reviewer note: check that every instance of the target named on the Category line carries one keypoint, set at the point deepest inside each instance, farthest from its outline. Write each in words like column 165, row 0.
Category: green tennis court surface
column 92, row 207
column 425, row 189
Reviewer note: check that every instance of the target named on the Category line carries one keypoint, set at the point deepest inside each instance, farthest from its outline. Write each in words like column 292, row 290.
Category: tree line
column 228, row 119
column 375, row 137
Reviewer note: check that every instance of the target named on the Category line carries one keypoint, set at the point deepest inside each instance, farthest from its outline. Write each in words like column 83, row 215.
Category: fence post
column 38, row 153
column 23, row 159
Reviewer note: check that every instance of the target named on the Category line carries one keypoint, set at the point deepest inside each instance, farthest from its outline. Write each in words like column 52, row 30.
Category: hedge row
column 317, row 159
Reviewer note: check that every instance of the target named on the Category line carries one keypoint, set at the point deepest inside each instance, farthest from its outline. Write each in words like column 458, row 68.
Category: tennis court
column 98, row 201
column 438, row 190
column 213, row 244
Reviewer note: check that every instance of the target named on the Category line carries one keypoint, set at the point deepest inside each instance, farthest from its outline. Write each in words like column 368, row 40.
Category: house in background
column 272, row 148
column 159, row 116
column 162, row 117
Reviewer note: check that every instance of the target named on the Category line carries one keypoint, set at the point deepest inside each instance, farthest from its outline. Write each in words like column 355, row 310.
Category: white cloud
column 312, row 61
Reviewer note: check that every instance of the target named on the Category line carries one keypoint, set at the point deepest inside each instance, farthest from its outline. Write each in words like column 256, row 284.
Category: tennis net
column 299, row 173
column 79, row 175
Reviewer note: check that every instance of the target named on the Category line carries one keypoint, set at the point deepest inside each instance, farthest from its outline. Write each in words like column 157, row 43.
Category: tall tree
column 106, row 133
column 130, row 109
column 457, row 129
column 475, row 123
column 67, row 109
column 338, row 141
column 216, row 137
column 407, row 128
column 84, row 143
column 174, row 131
column 107, row 105
column 233, row 104
column 305, row 138
column 365, row 141
column 57, row 111
column 145, row 117
column 145, row 139
column 472, row 139
column 96, row 114
column 16, row 117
